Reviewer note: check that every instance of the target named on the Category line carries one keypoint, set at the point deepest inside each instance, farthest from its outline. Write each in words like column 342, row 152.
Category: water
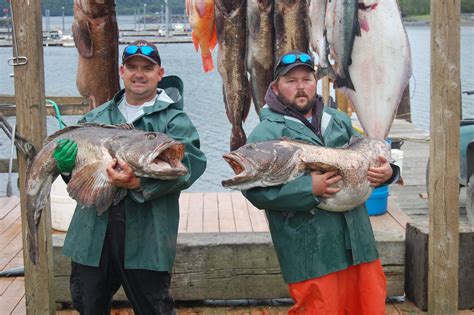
column 203, row 92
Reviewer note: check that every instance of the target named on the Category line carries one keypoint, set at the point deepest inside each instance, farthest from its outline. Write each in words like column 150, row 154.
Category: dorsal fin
column 295, row 141
column 126, row 126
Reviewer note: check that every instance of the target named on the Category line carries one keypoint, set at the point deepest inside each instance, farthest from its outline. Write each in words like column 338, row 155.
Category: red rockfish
column 201, row 19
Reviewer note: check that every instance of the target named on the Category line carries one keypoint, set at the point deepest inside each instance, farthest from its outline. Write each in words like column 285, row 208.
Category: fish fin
column 82, row 35
column 207, row 62
column 90, row 186
column 195, row 41
column 127, row 126
column 344, row 82
column 357, row 26
column 213, row 41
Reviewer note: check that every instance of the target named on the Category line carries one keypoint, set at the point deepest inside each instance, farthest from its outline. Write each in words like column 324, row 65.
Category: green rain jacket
column 152, row 214
column 310, row 242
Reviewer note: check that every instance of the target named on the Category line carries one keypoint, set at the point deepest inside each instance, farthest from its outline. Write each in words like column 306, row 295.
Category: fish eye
column 150, row 136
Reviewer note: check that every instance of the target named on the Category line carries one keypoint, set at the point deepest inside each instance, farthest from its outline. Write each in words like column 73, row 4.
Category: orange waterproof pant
column 357, row 290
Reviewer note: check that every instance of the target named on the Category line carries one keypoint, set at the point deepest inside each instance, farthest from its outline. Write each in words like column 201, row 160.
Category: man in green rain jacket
column 133, row 244
column 323, row 255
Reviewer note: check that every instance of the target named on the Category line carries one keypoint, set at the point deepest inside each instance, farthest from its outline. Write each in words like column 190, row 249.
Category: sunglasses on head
column 291, row 58
column 144, row 50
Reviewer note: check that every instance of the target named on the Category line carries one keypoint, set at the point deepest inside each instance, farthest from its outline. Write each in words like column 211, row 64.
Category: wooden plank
column 257, row 218
column 195, row 216
column 398, row 214
column 443, row 281
column 16, row 261
column 12, row 296
column 211, row 212
column 7, row 204
column 5, row 282
column 226, row 213
column 68, row 105
column 183, row 212
column 5, row 165
column 11, row 218
column 241, row 213
column 20, row 308
column 8, row 253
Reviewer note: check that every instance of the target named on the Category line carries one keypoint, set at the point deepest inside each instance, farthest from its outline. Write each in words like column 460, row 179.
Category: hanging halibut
column 381, row 66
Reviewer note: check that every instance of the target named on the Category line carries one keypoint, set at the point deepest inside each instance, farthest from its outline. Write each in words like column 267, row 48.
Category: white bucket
column 397, row 156
column 62, row 206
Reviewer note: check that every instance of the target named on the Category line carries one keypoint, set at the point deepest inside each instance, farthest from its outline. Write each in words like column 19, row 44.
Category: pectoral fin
column 321, row 167
column 90, row 186
column 83, row 38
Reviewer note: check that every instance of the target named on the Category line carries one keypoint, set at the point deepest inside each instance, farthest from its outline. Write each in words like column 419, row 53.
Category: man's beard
column 303, row 110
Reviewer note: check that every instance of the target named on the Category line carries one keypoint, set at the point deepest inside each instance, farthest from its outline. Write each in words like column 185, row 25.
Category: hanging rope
column 58, row 114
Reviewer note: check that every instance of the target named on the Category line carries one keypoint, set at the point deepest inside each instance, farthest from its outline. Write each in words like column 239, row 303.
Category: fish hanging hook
column 16, row 60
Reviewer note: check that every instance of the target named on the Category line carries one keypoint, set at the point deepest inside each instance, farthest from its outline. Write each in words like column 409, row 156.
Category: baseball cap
column 288, row 61
column 141, row 48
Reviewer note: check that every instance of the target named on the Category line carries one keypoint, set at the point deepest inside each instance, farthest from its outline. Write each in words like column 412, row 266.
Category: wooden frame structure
column 445, row 107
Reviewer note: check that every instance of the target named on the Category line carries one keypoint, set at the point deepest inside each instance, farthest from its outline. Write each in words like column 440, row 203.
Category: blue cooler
column 378, row 201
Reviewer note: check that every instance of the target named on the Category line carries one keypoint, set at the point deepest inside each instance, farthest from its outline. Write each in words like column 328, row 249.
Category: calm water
column 203, row 92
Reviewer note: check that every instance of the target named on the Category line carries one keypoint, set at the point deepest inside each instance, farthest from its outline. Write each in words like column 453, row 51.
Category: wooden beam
column 443, row 249
column 4, row 164
column 68, row 105
column 31, row 125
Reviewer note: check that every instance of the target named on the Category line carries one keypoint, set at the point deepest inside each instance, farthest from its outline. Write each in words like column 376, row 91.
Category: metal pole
column 62, row 9
column 10, row 165
column 167, row 19
column 144, row 17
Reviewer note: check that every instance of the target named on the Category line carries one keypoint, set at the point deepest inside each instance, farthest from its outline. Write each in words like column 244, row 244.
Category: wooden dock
column 225, row 226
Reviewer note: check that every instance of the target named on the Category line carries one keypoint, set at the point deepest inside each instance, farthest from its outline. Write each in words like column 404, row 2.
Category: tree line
column 131, row 7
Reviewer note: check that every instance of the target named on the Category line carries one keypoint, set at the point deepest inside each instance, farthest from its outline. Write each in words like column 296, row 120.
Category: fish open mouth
column 167, row 162
column 240, row 168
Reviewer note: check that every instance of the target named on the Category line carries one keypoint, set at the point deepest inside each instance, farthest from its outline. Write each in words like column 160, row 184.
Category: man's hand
column 121, row 175
column 65, row 155
column 379, row 175
column 321, row 183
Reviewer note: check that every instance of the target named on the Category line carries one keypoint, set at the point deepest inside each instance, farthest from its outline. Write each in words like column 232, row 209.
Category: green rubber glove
column 65, row 155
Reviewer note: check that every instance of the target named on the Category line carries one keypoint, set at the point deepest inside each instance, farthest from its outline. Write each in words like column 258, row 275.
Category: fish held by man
column 272, row 163
column 149, row 154
column 231, row 24
column 381, row 66
column 204, row 35
column 95, row 34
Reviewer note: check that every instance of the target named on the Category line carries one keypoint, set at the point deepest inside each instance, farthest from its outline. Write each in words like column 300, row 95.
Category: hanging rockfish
column 381, row 66
column 260, row 48
column 290, row 26
column 95, row 34
column 318, row 37
column 232, row 37
column 201, row 19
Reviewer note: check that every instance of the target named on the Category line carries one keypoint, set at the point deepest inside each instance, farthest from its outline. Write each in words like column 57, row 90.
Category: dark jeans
column 92, row 288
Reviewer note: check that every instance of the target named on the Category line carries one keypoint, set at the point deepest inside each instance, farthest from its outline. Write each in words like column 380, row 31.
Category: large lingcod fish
column 276, row 162
column 149, row 154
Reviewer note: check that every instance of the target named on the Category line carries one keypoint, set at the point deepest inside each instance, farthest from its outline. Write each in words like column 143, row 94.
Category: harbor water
column 203, row 93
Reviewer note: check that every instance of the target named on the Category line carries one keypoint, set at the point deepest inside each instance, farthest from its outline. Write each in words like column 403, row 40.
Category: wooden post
column 325, row 90
column 31, row 124
column 443, row 249
column 343, row 103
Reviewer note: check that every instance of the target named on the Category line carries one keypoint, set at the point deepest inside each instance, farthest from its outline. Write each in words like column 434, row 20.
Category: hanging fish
column 204, row 35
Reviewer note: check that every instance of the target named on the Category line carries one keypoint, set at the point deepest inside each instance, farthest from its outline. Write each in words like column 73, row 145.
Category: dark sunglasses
column 144, row 50
column 291, row 58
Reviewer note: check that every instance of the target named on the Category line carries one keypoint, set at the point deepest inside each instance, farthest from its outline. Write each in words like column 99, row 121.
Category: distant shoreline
column 467, row 19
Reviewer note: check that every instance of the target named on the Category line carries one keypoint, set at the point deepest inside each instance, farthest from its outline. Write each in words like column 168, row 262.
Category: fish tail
column 195, row 41
column 207, row 62
column 237, row 138
column 327, row 71
column 347, row 82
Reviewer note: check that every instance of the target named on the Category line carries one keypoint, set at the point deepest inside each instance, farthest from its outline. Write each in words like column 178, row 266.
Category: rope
column 58, row 113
